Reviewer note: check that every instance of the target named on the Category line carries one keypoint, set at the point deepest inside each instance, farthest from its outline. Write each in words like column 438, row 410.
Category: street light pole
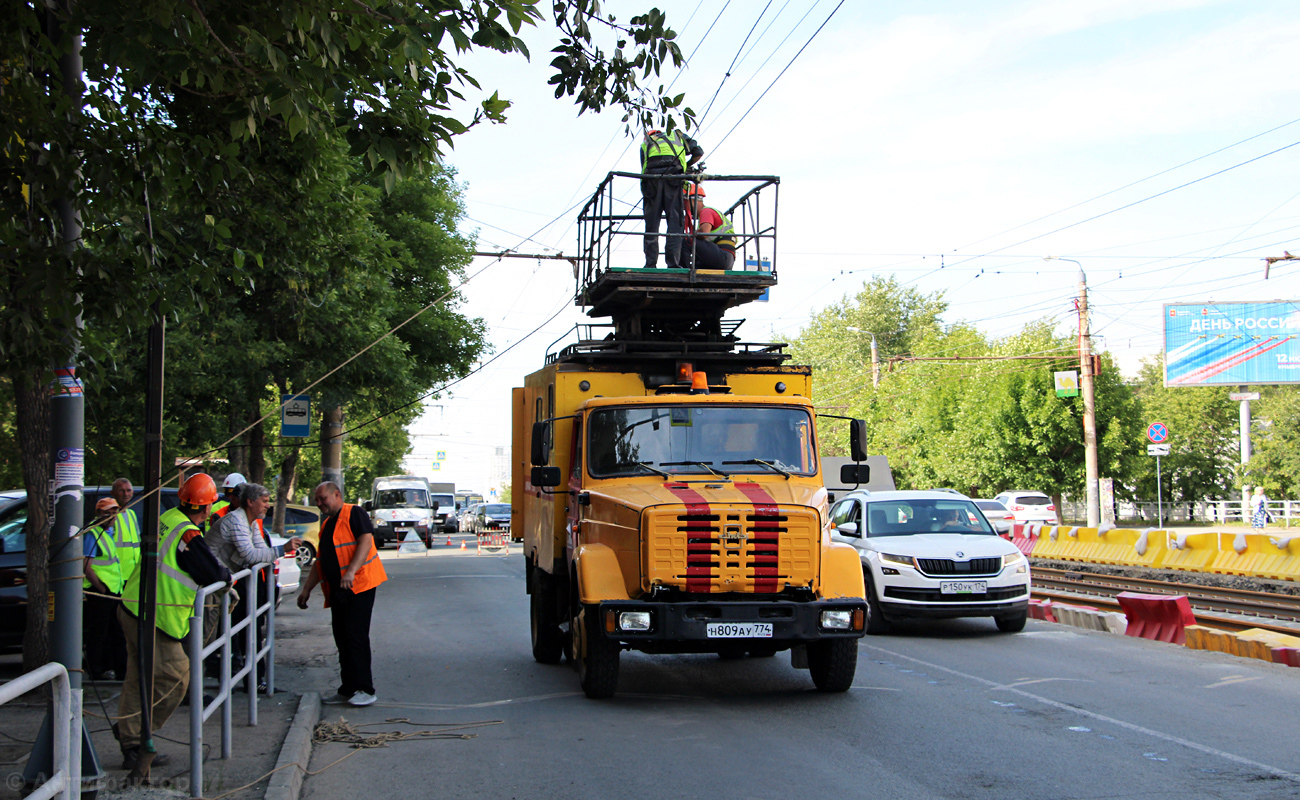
column 1087, row 390
column 875, row 356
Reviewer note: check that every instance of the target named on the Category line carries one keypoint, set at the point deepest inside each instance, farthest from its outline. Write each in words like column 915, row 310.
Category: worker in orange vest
column 348, row 568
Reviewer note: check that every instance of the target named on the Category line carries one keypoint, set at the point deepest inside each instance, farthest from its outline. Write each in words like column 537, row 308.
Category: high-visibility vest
column 126, row 540
column 371, row 573
column 665, row 144
column 105, row 562
column 219, row 510
column 176, row 589
column 725, row 234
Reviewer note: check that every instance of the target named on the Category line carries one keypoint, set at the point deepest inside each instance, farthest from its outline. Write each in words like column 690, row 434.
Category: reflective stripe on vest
column 725, row 234
column 126, row 539
column 661, row 145
column 106, row 564
column 371, row 573
column 176, row 589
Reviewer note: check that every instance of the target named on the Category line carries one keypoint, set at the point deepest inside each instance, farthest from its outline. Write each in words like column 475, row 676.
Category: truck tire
column 833, row 663
column 876, row 622
column 548, row 640
column 598, row 667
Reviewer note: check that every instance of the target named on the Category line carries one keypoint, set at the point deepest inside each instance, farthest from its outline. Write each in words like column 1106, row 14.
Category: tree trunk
column 237, row 452
column 284, row 492
column 256, row 452
column 32, row 407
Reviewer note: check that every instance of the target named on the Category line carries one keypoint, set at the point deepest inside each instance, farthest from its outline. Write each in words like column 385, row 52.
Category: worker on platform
column 665, row 154
column 715, row 237
column 184, row 563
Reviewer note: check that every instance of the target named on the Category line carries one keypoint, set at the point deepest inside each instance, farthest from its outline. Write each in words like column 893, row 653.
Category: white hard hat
column 233, row 481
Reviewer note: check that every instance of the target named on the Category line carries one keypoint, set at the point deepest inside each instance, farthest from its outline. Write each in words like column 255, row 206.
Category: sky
column 953, row 145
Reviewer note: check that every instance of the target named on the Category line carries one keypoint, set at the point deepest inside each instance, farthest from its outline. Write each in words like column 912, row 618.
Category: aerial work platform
column 677, row 305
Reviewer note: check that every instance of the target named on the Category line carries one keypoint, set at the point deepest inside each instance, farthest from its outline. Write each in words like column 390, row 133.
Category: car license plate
column 738, row 630
column 404, row 530
column 964, row 587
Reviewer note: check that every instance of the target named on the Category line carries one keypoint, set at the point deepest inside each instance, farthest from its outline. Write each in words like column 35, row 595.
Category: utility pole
column 875, row 355
column 332, row 447
column 1086, row 389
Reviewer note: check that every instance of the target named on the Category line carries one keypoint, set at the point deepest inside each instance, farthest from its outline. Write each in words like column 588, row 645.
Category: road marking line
column 1026, row 682
column 877, row 688
column 1200, row 748
column 453, row 707
column 1232, row 680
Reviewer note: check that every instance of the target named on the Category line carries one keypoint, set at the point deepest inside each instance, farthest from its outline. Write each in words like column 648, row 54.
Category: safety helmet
column 693, row 189
column 653, row 132
column 199, row 490
column 105, row 505
column 233, row 481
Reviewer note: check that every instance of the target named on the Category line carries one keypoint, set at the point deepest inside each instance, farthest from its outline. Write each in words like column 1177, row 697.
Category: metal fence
column 66, row 727
column 1197, row 511
column 198, row 651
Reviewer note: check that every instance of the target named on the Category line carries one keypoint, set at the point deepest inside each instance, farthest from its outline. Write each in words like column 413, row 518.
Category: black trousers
column 102, row 637
column 239, row 613
column 709, row 256
column 350, row 618
column 663, row 198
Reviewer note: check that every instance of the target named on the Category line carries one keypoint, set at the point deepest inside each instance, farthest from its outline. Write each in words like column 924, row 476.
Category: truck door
column 573, row 509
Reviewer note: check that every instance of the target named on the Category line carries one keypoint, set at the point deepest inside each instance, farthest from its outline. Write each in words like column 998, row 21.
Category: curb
column 286, row 784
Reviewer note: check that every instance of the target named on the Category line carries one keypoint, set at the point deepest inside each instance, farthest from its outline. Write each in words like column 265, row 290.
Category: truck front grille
column 731, row 548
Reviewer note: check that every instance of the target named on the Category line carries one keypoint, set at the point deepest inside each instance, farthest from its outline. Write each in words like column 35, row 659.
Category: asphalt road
column 939, row 710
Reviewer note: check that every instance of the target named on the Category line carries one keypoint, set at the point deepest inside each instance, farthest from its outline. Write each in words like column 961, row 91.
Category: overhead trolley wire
column 734, row 58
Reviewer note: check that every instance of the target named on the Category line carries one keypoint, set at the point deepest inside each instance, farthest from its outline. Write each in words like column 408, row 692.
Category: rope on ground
column 347, row 733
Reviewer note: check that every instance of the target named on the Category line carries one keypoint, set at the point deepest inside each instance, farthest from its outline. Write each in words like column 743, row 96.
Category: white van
column 400, row 505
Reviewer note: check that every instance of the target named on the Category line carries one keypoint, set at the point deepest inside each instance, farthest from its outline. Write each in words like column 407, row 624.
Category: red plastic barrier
column 1041, row 609
column 1286, row 655
column 1161, row 617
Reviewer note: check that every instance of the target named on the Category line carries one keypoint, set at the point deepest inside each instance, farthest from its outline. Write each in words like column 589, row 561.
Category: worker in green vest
column 126, row 532
column 229, row 490
column 184, row 564
column 102, row 637
column 665, row 154
column 715, row 238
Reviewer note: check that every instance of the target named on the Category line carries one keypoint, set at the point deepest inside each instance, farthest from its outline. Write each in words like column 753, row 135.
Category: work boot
column 131, row 759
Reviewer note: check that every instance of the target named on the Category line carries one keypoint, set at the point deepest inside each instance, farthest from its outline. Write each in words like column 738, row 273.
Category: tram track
column 1214, row 606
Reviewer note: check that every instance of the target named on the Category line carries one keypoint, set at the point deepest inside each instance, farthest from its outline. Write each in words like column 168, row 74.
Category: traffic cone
column 462, row 544
column 449, row 540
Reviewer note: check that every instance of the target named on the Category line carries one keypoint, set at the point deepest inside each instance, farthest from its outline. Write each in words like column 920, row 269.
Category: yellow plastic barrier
column 1279, row 558
column 1259, row 643
column 1200, row 637
column 1190, row 551
column 1239, row 553
column 1056, row 542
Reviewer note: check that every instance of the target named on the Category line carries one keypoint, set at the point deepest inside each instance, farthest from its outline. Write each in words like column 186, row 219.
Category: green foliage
column 1275, row 457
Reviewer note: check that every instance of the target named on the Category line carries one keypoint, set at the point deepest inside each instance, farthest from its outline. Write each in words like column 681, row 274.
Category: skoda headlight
column 906, row 561
column 1012, row 558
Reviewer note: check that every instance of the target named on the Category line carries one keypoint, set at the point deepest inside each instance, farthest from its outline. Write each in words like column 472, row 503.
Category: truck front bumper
column 706, row 627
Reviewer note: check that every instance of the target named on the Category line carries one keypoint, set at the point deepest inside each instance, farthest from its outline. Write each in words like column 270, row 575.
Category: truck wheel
column 548, row 641
column 598, row 667
column 876, row 622
column 833, row 663
column 1012, row 624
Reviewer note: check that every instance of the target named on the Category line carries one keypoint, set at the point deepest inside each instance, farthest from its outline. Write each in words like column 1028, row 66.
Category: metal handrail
column 67, row 770
column 198, row 651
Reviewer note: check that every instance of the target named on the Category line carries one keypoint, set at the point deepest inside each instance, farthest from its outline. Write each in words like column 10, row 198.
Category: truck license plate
column 403, row 530
column 738, row 630
column 964, row 587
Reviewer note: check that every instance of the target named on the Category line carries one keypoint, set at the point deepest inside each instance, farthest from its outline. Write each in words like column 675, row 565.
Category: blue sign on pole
column 1229, row 344
column 295, row 415
column 1157, row 432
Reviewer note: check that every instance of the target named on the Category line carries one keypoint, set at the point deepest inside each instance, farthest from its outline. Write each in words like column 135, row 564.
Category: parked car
column 1029, row 506
column 492, row 517
column 931, row 555
column 288, row 575
column 303, row 522
column 998, row 515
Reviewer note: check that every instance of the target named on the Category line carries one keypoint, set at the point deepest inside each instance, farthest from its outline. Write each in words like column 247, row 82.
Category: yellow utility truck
column 667, row 485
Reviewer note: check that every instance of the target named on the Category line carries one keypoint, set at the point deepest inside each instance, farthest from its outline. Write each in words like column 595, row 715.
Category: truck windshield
column 709, row 440
column 401, row 498
column 444, row 500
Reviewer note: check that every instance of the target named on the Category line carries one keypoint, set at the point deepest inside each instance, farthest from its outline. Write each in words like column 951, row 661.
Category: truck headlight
column 837, row 620
column 634, row 620
column 906, row 561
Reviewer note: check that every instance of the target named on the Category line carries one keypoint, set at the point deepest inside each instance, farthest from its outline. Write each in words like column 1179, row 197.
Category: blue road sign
column 295, row 415
column 1157, row 432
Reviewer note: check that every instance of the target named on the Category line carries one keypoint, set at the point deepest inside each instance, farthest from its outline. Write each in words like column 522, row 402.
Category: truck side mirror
column 543, row 477
column 367, row 506
column 541, row 450
column 858, row 439
column 855, row 474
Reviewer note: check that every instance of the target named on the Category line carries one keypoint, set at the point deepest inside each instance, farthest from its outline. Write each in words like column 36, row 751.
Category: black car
column 13, row 555
column 492, row 517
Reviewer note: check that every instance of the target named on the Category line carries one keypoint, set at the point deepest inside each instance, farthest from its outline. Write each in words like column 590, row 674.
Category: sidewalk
column 255, row 749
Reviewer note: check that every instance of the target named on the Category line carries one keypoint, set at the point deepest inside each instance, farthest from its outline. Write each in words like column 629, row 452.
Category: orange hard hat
column 199, row 490
column 105, row 505
column 693, row 189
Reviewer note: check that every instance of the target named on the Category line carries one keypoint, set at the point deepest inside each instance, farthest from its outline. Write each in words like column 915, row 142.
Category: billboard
column 1228, row 344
